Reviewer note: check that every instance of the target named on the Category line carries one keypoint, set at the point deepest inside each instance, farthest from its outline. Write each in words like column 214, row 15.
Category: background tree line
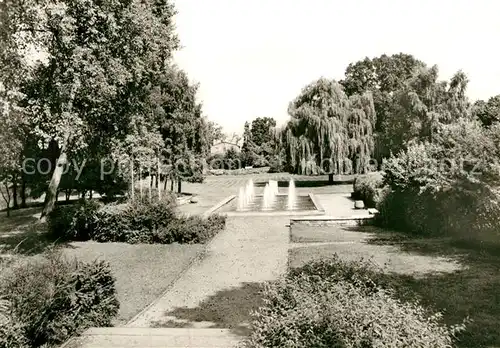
column 383, row 105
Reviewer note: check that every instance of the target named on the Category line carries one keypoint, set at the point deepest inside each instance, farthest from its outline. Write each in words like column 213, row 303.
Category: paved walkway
column 217, row 291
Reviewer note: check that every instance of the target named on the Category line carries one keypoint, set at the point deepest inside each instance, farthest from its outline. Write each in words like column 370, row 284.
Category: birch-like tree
column 98, row 57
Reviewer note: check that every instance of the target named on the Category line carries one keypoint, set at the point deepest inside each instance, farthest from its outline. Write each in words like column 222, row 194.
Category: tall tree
column 249, row 149
column 183, row 128
column 215, row 132
column 328, row 130
column 421, row 105
column 262, row 130
column 487, row 112
column 10, row 146
column 382, row 76
column 100, row 56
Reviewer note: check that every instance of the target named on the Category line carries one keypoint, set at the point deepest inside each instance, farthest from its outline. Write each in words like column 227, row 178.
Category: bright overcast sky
column 252, row 57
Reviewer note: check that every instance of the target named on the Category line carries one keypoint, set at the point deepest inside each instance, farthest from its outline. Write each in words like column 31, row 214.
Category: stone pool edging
column 319, row 210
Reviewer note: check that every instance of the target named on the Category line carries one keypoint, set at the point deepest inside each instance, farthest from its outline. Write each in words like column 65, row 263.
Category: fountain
column 271, row 200
column 241, row 199
column 274, row 186
column 249, row 192
column 267, row 198
column 292, row 195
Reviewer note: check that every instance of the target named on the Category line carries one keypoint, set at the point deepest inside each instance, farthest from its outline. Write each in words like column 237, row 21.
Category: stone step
column 124, row 337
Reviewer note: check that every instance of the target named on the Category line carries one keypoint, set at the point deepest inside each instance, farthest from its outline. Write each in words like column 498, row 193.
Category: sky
column 253, row 57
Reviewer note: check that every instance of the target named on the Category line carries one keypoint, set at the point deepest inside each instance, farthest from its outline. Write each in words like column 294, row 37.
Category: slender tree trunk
column 23, row 191
column 15, row 204
column 6, row 196
column 132, row 184
column 68, row 195
column 51, row 194
column 330, row 179
column 172, row 185
column 91, row 194
column 165, row 184
column 179, row 186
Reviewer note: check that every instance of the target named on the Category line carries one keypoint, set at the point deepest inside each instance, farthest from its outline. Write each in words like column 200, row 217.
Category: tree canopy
column 104, row 85
column 328, row 130
column 487, row 112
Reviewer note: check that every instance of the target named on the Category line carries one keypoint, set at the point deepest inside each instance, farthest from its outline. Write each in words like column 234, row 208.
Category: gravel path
column 222, row 289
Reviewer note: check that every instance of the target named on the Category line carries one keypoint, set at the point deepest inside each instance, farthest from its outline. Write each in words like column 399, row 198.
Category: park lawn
column 143, row 272
column 472, row 291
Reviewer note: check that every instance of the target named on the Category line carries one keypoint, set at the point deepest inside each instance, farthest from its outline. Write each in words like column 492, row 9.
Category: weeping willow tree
column 328, row 132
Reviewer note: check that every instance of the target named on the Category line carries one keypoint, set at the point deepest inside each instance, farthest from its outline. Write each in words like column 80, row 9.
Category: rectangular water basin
column 304, row 205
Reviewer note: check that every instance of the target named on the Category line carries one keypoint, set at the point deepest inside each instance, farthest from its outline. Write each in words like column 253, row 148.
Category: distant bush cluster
column 46, row 301
column 336, row 304
column 369, row 189
column 139, row 221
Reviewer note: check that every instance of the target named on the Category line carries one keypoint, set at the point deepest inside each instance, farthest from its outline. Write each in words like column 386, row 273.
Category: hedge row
column 472, row 214
column 336, row 304
column 138, row 221
column 47, row 300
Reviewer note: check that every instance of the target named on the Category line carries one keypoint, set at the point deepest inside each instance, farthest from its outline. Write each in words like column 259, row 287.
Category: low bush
column 260, row 161
column 335, row 304
column 138, row 221
column 369, row 188
column 276, row 165
column 74, row 222
column 190, row 230
column 50, row 299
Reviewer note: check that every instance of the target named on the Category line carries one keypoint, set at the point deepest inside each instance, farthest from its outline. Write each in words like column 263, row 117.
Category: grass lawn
column 472, row 291
column 143, row 272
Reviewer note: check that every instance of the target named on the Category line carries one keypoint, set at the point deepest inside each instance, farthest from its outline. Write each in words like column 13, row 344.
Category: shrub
column 191, row 229
column 260, row 161
column 369, row 189
column 138, row 221
column 472, row 214
column 52, row 299
column 11, row 329
column 74, row 222
column 335, row 306
column 276, row 164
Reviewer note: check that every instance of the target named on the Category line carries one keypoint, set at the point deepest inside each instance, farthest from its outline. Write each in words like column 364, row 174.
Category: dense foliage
column 138, row 221
column 332, row 303
column 369, row 189
column 329, row 132
column 49, row 299
column 447, row 186
column 103, row 89
column 259, row 142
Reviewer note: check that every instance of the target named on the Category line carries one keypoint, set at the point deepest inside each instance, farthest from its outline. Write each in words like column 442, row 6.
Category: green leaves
column 329, row 131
